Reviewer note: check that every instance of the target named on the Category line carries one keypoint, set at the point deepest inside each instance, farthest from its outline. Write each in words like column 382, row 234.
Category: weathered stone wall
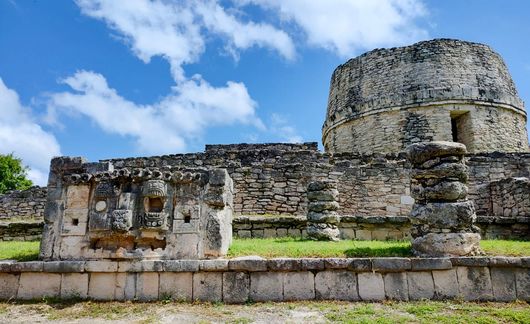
column 387, row 99
column 21, row 231
column 255, row 279
column 23, row 204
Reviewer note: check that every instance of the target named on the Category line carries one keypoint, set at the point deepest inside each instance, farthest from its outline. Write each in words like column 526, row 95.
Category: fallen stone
column 419, row 153
column 446, row 244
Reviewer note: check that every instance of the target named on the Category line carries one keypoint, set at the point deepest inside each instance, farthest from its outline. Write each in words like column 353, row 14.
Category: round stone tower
column 438, row 90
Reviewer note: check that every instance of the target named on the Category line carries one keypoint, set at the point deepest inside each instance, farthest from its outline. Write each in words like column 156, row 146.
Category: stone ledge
column 258, row 264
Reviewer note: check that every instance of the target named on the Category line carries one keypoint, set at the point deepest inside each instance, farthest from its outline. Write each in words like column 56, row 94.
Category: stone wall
column 372, row 228
column 21, row 231
column 23, row 204
column 255, row 279
column 387, row 99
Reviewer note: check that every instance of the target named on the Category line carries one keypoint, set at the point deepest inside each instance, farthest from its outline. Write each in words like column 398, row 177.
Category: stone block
column 101, row 266
column 269, row 233
column 248, row 263
column 244, row 234
column 311, row 264
column 64, row 266
column 396, row 286
column 74, row 285
column 181, row 265
column 176, row 285
column 8, row 286
column 147, row 286
column 336, row 285
column 281, row 232
column 474, row 283
column 371, row 286
column 236, row 287
column 390, row 264
column 208, row 286
column 294, row 232
column 298, row 286
column 284, row 264
column 101, row 286
column 266, row 286
column 445, row 284
column 77, row 196
column 503, row 284
column 213, row 265
column 421, row 285
column 522, row 277
column 35, row 285
column 125, row 286
column 363, row 235
column 431, row 264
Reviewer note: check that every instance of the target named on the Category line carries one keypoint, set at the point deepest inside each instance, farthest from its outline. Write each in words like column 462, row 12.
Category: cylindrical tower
column 438, row 90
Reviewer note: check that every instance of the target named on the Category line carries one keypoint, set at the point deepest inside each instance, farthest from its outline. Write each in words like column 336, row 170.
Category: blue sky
column 113, row 78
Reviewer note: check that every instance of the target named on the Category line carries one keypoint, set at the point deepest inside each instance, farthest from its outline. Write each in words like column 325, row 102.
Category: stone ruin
column 181, row 205
column 322, row 217
column 95, row 211
column 442, row 217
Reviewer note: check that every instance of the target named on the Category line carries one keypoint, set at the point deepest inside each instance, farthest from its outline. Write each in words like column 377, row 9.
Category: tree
column 13, row 174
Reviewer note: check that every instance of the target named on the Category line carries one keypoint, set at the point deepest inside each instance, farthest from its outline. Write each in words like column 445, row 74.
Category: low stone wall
column 245, row 279
column 22, row 231
column 371, row 228
column 23, row 204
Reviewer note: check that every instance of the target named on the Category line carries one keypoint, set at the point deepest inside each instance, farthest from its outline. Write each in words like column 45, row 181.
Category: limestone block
column 371, row 286
column 323, row 195
column 421, row 152
column 363, row 235
column 147, row 286
column 336, row 285
column 208, row 286
column 266, row 286
column 176, row 285
column 236, row 287
column 77, row 196
column 8, row 286
column 396, row 286
column 101, row 266
column 71, row 247
column 347, row 233
column 330, row 217
column 248, row 263
column 323, row 231
column 213, row 265
column 75, row 221
column 443, row 191
column 445, row 284
column 298, row 286
column 421, row 285
column 269, row 233
column 474, row 283
column 74, row 285
column 444, row 215
column 35, row 285
column 125, row 286
column 446, row 244
column 101, row 286
column 522, row 277
column 456, row 171
column 503, row 284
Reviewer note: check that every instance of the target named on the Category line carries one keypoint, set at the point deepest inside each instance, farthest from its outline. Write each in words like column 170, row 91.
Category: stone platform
column 252, row 278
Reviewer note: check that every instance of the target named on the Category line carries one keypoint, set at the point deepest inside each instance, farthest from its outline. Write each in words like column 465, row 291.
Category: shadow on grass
column 391, row 251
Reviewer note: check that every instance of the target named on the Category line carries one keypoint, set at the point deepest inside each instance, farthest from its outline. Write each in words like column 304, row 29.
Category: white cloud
column 165, row 126
column 173, row 29
column 21, row 135
column 345, row 26
column 281, row 128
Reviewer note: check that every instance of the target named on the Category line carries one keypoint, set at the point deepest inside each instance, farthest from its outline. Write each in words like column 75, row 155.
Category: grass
column 298, row 248
column 451, row 312
column 20, row 251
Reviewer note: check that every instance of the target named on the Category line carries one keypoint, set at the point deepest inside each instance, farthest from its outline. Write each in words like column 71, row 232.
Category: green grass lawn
column 298, row 248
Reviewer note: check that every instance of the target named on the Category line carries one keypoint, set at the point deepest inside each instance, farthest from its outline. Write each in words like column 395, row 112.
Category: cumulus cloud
column 164, row 126
column 21, row 135
column 173, row 29
column 345, row 26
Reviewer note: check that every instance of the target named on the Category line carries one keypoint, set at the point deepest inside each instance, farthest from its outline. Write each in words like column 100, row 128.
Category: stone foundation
column 245, row 279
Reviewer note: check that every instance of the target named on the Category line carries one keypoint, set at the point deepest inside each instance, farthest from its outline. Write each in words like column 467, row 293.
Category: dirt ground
column 295, row 312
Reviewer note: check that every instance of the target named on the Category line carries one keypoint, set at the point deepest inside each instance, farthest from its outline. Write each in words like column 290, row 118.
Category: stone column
column 442, row 218
column 322, row 218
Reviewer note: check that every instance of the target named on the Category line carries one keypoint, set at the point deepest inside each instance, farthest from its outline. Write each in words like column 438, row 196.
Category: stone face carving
column 322, row 218
column 442, row 218
column 144, row 213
